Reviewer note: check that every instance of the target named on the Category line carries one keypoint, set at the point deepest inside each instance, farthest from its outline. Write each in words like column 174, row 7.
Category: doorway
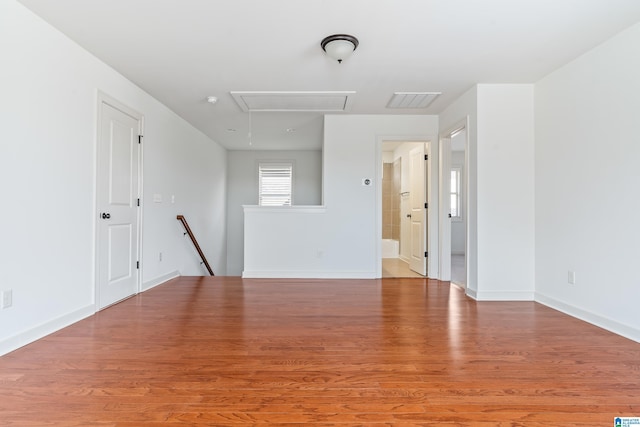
column 404, row 213
column 118, row 184
column 453, row 203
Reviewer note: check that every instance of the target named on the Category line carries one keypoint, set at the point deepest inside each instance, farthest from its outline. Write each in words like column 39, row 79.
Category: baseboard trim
column 595, row 319
column 159, row 280
column 308, row 275
column 501, row 295
column 27, row 337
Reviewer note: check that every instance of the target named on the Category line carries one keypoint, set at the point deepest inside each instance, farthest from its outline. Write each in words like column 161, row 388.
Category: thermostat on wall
column 367, row 182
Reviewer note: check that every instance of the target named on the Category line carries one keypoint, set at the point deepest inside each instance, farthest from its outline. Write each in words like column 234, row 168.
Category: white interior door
column 117, row 205
column 445, row 209
column 417, row 258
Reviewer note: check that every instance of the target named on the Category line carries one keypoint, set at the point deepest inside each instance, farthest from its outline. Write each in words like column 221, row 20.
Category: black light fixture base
column 335, row 37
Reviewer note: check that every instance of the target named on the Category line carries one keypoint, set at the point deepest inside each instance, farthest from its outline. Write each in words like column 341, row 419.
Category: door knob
column 408, row 215
column 106, row 216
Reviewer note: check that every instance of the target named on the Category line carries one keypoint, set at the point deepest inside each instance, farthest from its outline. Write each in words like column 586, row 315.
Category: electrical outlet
column 571, row 277
column 7, row 298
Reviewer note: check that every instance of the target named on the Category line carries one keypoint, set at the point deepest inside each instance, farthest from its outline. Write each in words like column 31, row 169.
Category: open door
column 445, row 206
column 418, row 210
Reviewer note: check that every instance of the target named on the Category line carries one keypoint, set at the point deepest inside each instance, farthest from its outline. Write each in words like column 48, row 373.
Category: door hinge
column 426, row 205
column 426, row 254
column 137, row 265
column 139, row 139
column 426, row 157
column 138, row 202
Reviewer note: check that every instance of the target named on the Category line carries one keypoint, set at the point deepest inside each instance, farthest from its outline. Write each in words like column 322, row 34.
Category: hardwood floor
column 227, row 351
column 459, row 270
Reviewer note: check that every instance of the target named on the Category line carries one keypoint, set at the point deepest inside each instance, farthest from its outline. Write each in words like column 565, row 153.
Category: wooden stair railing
column 183, row 220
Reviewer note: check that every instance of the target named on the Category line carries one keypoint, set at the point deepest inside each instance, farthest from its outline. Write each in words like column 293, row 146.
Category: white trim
column 309, row 274
column 27, row 337
column 297, row 209
column 592, row 318
column 501, row 295
column 159, row 280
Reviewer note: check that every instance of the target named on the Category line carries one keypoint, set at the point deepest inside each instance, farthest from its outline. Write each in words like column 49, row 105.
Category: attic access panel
column 294, row 101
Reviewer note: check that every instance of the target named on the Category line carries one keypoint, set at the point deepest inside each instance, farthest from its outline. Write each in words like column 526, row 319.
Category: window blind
column 275, row 184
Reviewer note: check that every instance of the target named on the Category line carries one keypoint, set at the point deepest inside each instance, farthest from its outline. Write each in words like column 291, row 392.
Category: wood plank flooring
column 226, row 351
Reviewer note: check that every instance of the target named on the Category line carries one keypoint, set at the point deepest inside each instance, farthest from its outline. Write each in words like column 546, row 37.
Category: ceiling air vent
column 294, row 101
column 412, row 99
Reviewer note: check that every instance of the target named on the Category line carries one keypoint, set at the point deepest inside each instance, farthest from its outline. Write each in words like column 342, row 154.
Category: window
column 454, row 209
column 275, row 184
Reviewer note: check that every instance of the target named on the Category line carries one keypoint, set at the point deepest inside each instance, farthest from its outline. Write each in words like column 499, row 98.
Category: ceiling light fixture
column 212, row 99
column 339, row 46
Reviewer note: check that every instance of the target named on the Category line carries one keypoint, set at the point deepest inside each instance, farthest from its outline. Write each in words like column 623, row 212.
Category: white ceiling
column 181, row 51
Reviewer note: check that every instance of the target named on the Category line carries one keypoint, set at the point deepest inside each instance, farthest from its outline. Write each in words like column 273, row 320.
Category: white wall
column 47, row 177
column 243, row 190
column 587, row 185
column 351, row 154
column 465, row 110
column 505, row 201
column 500, row 187
column 351, row 230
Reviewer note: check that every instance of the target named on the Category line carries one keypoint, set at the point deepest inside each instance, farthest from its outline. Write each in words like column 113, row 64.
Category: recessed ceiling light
column 212, row 99
column 291, row 130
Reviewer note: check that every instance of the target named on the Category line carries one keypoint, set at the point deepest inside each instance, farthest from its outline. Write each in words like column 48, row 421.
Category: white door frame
column 432, row 220
column 101, row 98
column 444, row 243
